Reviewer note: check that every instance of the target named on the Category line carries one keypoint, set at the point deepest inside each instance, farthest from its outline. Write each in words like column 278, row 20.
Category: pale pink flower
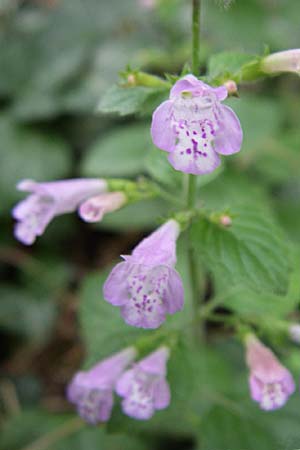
column 92, row 390
column 271, row 384
column 144, row 388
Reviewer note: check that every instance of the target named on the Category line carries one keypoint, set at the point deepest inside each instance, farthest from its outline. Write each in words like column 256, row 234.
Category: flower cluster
column 194, row 127
column 143, row 386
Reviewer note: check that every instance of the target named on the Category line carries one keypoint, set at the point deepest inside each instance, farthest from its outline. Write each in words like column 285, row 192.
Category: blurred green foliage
column 59, row 59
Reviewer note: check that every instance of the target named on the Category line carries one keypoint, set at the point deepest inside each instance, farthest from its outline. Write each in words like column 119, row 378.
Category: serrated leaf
column 120, row 153
column 223, row 428
column 228, row 65
column 252, row 252
column 257, row 306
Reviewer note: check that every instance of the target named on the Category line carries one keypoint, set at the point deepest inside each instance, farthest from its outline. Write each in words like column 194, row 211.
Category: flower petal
column 174, row 295
column 156, row 362
column 115, row 289
column 256, row 387
column 229, row 135
column 194, row 152
column 160, row 247
column 162, row 133
column 162, row 395
column 124, row 383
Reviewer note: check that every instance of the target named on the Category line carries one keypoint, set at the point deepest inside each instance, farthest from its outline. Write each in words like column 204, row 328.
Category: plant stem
column 196, row 35
column 192, row 180
column 49, row 440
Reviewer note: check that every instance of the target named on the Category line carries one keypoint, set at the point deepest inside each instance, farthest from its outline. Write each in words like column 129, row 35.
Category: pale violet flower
column 146, row 286
column 285, row 61
column 271, row 384
column 93, row 209
column 144, row 388
column 194, row 127
column 92, row 391
column 50, row 199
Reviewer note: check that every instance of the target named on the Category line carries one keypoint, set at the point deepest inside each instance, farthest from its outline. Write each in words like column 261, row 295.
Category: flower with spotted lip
column 92, row 390
column 271, row 384
column 194, row 127
column 146, row 286
column 144, row 388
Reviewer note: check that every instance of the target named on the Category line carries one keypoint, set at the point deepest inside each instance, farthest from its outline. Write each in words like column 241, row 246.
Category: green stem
column 192, row 180
column 196, row 35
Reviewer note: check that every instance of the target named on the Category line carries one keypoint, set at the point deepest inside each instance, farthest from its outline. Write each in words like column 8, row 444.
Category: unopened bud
column 286, row 61
column 131, row 79
column 231, row 87
column 225, row 220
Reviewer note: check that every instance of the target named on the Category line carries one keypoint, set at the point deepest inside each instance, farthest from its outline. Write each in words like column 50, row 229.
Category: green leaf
column 258, row 306
column 104, row 331
column 145, row 214
column 252, row 252
column 229, row 65
column 130, row 100
column 40, row 429
column 233, row 189
column 28, row 154
column 223, row 428
column 24, row 314
column 120, row 153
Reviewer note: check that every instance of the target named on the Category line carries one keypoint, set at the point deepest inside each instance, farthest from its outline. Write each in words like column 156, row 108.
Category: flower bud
column 231, row 87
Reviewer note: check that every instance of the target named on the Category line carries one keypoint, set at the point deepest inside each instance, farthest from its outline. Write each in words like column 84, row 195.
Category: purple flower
column 194, row 127
column 47, row 200
column 144, row 388
column 92, row 390
column 145, row 285
column 93, row 209
column 271, row 384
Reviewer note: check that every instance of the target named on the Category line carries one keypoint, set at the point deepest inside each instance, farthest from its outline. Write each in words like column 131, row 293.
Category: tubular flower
column 194, row 127
column 286, row 61
column 146, row 286
column 144, row 388
column 93, row 209
column 47, row 200
column 270, row 383
column 92, row 390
